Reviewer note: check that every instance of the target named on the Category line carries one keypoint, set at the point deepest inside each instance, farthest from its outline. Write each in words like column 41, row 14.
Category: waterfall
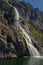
column 16, row 12
column 33, row 51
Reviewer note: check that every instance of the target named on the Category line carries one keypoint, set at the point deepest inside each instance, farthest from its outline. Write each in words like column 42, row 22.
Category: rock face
column 11, row 39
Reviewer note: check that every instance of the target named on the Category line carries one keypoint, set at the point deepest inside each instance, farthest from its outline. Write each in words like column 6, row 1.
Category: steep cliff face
column 11, row 38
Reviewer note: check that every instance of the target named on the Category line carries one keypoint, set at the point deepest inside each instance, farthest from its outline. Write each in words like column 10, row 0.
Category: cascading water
column 16, row 12
column 33, row 51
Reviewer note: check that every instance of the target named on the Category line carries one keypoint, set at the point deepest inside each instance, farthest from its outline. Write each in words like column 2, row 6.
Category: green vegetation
column 35, row 32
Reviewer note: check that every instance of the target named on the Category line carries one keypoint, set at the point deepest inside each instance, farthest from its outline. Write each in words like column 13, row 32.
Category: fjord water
column 22, row 61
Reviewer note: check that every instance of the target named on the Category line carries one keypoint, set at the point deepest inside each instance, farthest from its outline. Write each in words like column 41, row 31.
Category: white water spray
column 33, row 51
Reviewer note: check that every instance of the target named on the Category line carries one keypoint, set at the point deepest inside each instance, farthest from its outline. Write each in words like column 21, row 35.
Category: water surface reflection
column 22, row 61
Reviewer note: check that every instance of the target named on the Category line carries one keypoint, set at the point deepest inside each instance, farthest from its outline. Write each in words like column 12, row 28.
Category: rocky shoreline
column 8, row 56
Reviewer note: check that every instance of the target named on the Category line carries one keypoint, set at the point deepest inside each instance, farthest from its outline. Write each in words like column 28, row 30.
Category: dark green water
column 22, row 61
